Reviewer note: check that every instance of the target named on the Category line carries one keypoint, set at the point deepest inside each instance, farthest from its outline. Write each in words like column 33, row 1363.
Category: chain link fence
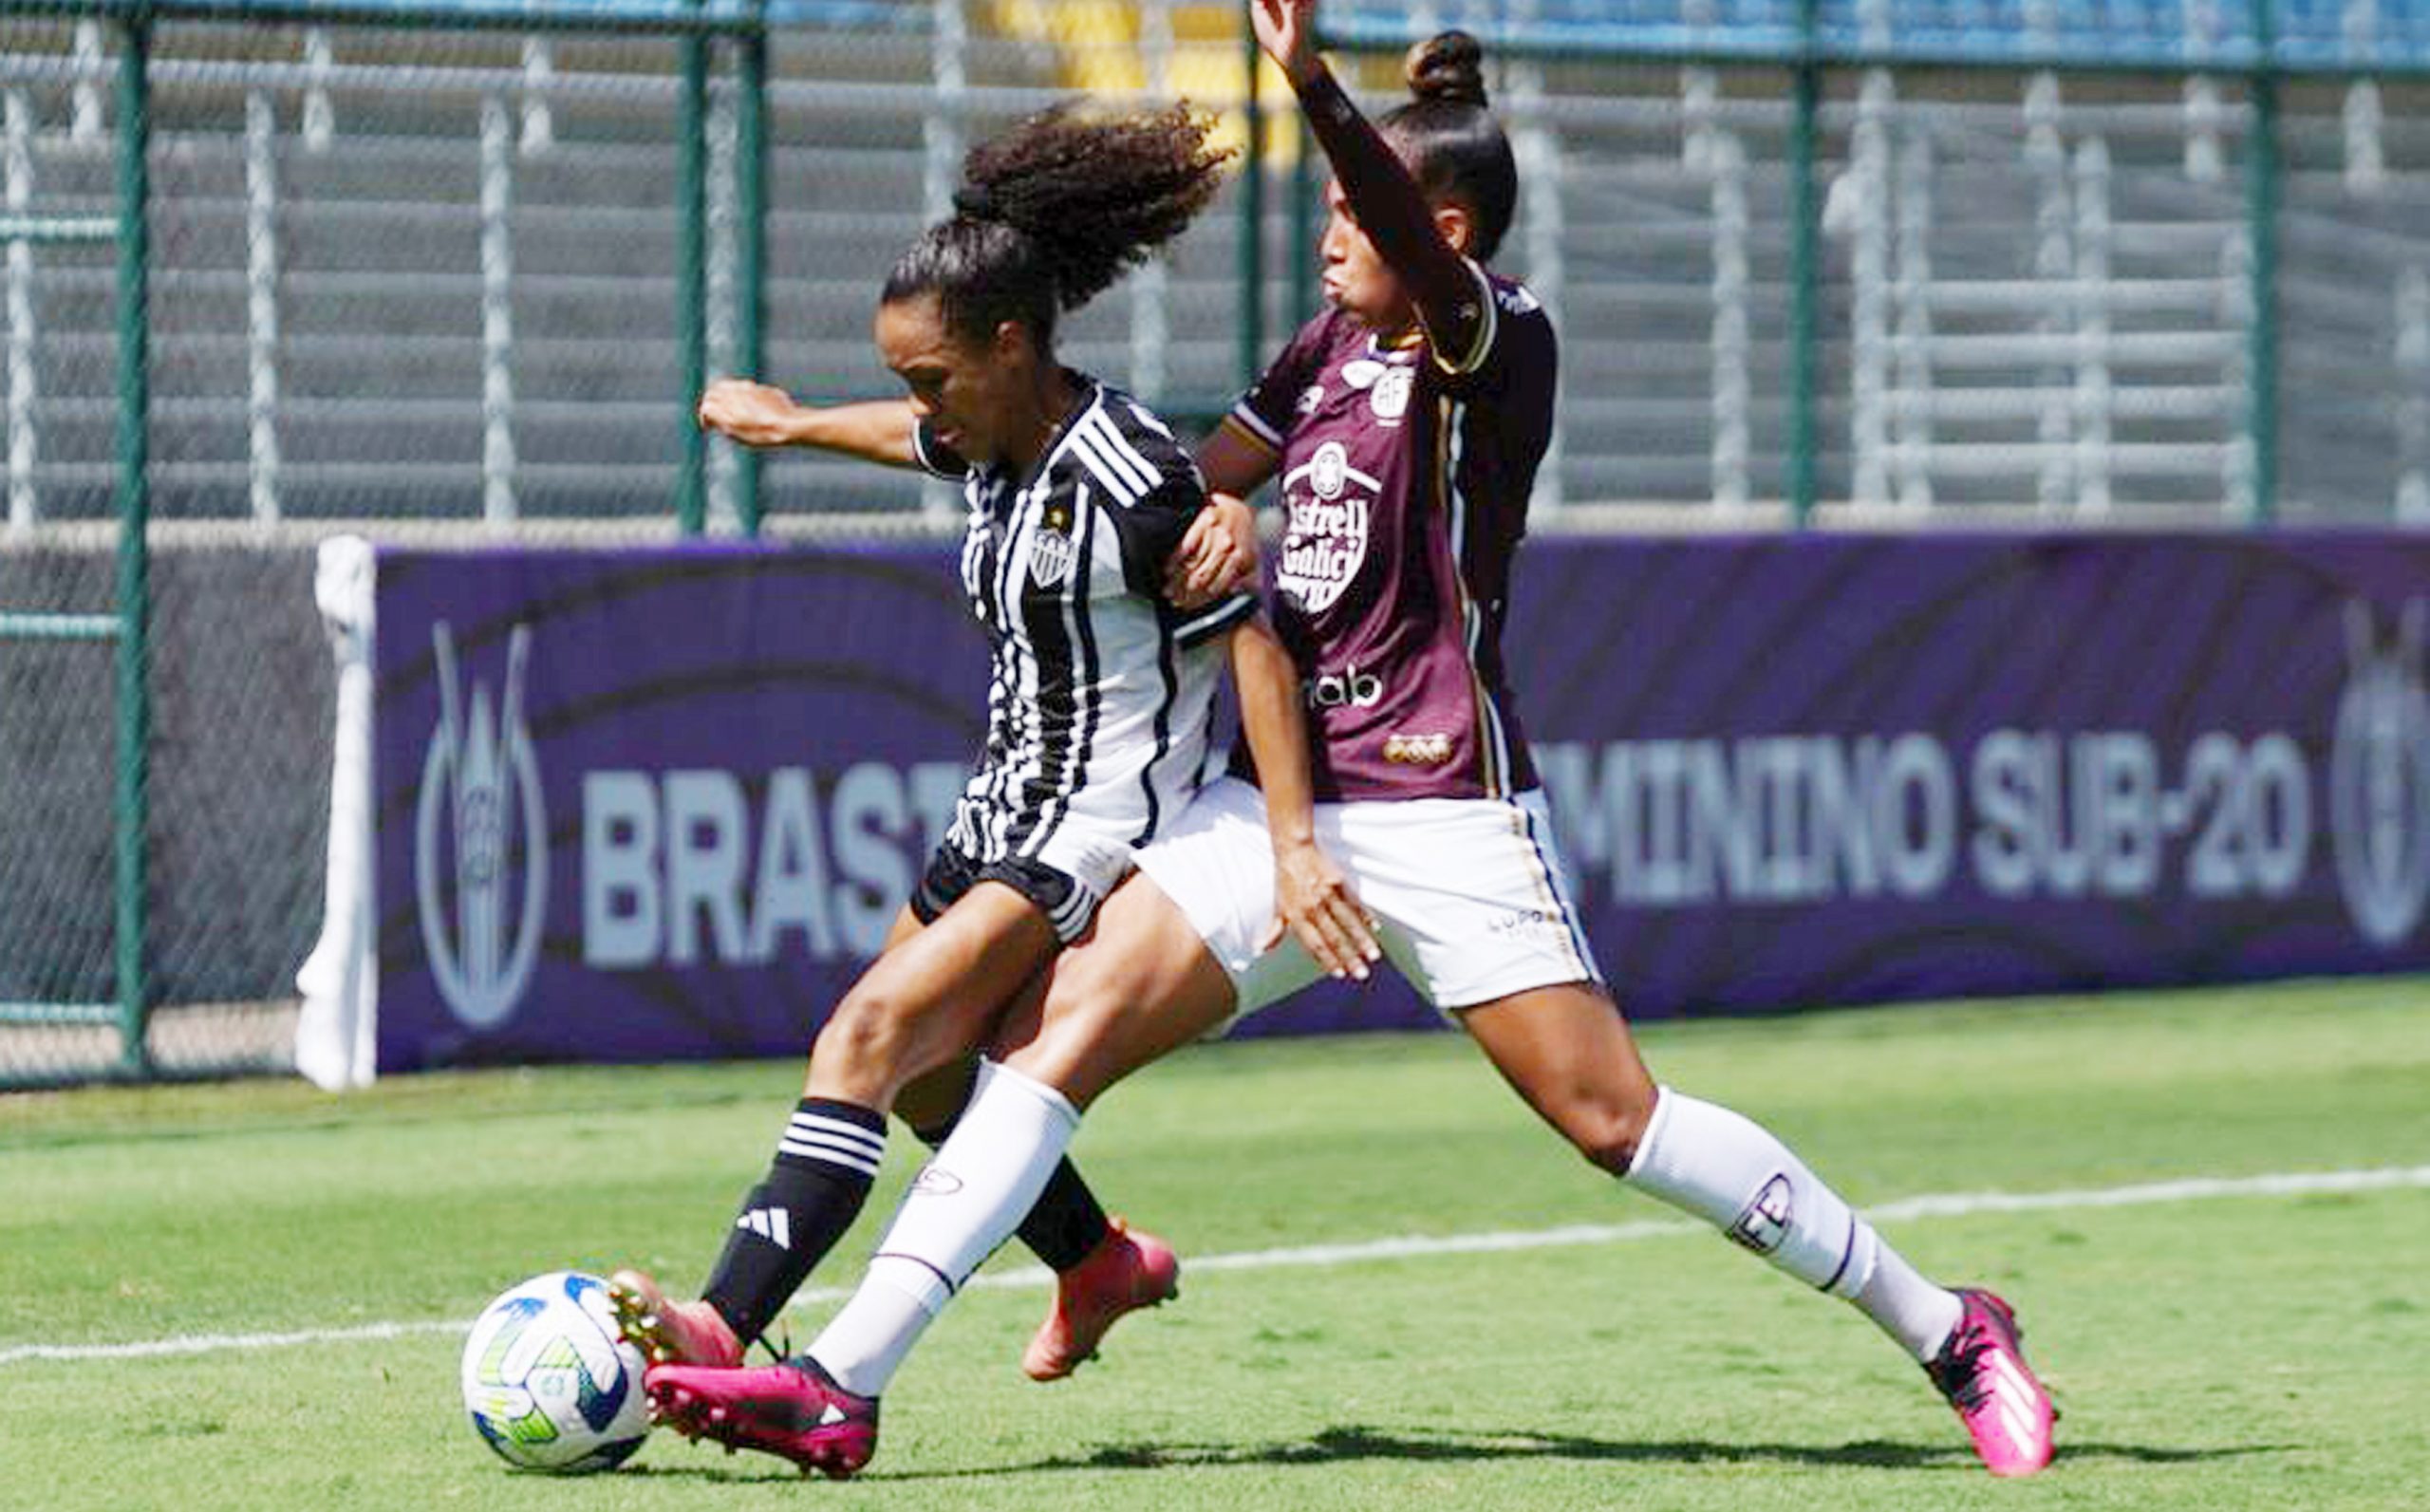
column 433, row 282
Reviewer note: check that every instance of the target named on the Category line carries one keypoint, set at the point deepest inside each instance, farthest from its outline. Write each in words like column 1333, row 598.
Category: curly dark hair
column 1053, row 211
column 1453, row 146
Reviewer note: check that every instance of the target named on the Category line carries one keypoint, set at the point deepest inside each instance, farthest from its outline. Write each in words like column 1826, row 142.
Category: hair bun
column 1449, row 67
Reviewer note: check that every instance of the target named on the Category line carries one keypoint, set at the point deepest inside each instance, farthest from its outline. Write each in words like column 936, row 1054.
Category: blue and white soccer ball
column 550, row 1383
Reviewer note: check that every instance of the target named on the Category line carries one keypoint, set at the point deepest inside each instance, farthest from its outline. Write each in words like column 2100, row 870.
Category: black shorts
column 1069, row 903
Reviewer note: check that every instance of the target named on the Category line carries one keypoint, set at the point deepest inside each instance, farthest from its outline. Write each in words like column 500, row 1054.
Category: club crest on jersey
column 1051, row 549
column 1764, row 1223
column 1388, row 398
column 1328, row 470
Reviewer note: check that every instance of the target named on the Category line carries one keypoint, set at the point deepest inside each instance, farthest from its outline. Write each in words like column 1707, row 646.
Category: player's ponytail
column 1054, row 211
column 1453, row 146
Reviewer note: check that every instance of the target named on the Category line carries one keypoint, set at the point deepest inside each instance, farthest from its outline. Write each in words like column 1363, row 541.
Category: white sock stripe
column 844, row 1136
column 851, row 1157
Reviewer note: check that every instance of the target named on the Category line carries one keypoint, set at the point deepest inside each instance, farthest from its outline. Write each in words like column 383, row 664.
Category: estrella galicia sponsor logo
column 1763, row 1223
column 2380, row 778
column 1330, row 503
column 481, row 807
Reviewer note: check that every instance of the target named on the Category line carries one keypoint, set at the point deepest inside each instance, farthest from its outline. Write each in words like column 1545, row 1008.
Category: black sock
column 1066, row 1222
column 814, row 1189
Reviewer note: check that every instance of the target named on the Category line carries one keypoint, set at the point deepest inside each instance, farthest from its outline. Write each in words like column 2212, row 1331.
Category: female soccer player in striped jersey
column 1406, row 426
column 1099, row 699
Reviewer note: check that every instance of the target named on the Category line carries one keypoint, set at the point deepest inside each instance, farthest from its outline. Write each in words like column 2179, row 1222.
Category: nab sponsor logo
column 2380, row 778
column 1347, row 688
column 481, row 808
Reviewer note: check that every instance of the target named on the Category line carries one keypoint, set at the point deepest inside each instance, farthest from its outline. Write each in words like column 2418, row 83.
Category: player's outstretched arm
column 1383, row 197
column 1311, row 898
column 763, row 415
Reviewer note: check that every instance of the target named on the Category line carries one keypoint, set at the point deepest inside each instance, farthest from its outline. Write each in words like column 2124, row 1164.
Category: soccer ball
column 548, row 1382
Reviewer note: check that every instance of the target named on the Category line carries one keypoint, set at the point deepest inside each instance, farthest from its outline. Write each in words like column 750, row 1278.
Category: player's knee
column 867, row 1038
column 1606, row 1135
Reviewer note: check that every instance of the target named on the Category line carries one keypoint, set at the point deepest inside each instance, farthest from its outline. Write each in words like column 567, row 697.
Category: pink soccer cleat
column 1982, row 1372
column 792, row 1409
column 1127, row 1271
column 670, row 1333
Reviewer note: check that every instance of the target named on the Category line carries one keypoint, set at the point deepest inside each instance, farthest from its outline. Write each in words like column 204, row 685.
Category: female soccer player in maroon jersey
column 1404, row 425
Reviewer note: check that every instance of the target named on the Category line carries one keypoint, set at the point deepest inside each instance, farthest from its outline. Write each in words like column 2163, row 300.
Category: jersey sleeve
column 1204, row 624
column 1515, row 356
column 1262, row 415
column 933, row 457
column 1150, row 527
column 1151, row 530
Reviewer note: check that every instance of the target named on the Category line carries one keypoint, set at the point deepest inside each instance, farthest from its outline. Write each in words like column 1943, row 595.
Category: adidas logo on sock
column 771, row 1223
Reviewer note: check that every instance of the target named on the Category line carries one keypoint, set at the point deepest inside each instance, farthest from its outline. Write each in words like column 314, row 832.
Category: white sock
column 1732, row 1173
column 969, row 1198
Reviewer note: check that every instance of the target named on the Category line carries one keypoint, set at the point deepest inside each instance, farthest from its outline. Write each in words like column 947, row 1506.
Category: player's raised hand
column 1216, row 555
column 1313, row 899
column 754, row 414
column 1288, row 31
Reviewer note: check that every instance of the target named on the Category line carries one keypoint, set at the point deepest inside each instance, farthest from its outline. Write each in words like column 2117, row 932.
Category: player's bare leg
column 1567, row 1050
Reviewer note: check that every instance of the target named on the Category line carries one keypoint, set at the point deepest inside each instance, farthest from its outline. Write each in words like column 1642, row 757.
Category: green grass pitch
column 2240, row 1349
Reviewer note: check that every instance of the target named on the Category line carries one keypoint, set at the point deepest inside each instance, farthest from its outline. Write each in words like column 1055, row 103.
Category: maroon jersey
column 1404, row 475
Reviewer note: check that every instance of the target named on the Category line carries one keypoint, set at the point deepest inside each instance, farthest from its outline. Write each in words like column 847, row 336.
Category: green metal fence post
column 1252, row 328
column 2264, row 172
column 1804, row 270
column 692, row 279
column 134, row 515
column 751, row 235
column 1302, row 252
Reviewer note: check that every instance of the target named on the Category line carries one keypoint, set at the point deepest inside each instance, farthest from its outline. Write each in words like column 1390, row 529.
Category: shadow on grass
column 1341, row 1444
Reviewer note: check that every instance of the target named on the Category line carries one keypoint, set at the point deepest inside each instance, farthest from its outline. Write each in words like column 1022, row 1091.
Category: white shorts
column 1471, row 893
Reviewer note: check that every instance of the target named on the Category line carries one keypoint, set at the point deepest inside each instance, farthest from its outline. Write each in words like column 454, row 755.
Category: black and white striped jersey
column 1101, row 690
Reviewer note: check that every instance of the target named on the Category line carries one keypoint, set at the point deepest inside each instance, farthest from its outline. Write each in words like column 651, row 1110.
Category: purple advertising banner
column 664, row 803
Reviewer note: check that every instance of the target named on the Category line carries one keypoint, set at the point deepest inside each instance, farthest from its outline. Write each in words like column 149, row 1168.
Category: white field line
column 1947, row 1205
